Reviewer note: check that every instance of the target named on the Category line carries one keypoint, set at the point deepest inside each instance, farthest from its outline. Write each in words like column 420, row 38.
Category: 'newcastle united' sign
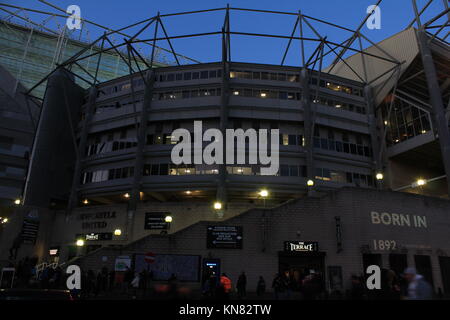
column 301, row 246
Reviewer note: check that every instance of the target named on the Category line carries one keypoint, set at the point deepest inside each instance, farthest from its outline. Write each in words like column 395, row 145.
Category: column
column 438, row 108
column 139, row 161
column 308, row 122
column 81, row 153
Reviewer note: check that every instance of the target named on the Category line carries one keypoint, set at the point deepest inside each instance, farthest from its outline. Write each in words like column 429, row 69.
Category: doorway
column 444, row 263
column 301, row 266
column 423, row 266
column 398, row 263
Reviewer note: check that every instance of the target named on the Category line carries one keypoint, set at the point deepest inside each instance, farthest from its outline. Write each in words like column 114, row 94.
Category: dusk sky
column 395, row 16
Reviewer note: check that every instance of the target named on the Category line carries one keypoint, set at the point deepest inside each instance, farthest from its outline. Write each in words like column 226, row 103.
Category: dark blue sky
column 396, row 14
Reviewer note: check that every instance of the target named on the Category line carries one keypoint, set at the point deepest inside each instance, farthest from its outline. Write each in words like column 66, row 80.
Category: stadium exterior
column 352, row 136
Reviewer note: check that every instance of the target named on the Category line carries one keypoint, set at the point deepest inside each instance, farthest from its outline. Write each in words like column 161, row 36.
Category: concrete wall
column 313, row 219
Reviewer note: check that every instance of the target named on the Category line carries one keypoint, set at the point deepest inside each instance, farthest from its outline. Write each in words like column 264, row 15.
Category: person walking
column 261, row 287
column 418, row 287
column 241, row 285
column 279, row 286
column 128, row 277
column 173, row 287
column 226, row 286
column 135, row 285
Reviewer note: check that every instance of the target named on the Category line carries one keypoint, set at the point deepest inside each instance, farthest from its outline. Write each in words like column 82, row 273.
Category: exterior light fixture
column 17, row 201
column 5, row 220
column 379, row 176
column 217, row 205
column 85, row 201
column 168, row 219
column 117, row 232
column 80, row 243
column 127, row 195
column 263, row 94
column 188, row 192
column 310, row 183
column 421, row 182
column 264, row 193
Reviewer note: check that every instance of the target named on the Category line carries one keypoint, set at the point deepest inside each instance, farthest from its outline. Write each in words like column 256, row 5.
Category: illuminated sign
column 53, row 251
column 224, row 237
column 301, row 246
column 103, row 236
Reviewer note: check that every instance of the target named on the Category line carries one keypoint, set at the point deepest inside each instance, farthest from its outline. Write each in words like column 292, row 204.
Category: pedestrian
column 260, row 287
column 128, row 277
column 226, row 286
column 143, row 281
column 279, row 287
column 111, row 278
column 390, row 287
column 357, row 291
column 173, row 287
column 418, row 287
column 241, row 285
column 135, row 285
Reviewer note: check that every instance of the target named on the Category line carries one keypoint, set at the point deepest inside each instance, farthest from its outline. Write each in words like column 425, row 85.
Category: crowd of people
column 292, row 285
column 288, row 285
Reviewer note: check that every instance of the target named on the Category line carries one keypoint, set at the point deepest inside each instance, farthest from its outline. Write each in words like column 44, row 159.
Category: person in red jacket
column 226, row 285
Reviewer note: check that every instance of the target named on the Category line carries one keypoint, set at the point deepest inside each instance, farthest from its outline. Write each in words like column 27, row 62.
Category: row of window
column 337, row 87
column 114, row 105
column 285, row 139
column 339, row 104
column 186, row 94
column 359, row 179
column 266, row 94
column 256, row 75
column 186, row 76
column 104, row 175
column 290, row 77
column 164, row 169
column 120, row 87
column 344, row 147
column 404, row 122
column 243, row 92
column 109, row 146
column 234, row 74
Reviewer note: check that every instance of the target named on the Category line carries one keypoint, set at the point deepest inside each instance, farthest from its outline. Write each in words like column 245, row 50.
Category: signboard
column 30, row 229
column 53, row 251
column 96, row 220
column 224, row 237
column 102, row 236
column 121, row 263
column 301, row 246
column 156, row 221
column 184, row 267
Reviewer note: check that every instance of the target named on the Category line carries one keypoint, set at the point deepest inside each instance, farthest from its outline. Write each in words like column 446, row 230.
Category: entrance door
column 423, row 266
column 210, row 272
column 371, row 259
column 398, row 263
column 444, row 263
column 301, row 265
